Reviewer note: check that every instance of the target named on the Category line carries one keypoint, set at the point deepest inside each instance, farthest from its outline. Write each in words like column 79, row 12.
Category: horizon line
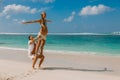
column 84, row 33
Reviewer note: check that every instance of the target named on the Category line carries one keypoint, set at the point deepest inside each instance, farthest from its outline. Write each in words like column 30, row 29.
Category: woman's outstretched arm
column 48, row 21
column 35, row 21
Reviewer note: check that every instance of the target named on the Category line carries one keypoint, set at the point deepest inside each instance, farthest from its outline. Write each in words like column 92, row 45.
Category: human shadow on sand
column 74, row 69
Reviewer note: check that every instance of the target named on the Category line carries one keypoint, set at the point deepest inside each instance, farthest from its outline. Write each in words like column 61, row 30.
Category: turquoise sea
column 80, row 44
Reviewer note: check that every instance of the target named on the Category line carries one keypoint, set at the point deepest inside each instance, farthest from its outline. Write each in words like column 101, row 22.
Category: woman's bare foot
column 39, row 67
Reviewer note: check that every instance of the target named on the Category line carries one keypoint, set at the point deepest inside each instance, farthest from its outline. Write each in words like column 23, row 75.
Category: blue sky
column 68, row 16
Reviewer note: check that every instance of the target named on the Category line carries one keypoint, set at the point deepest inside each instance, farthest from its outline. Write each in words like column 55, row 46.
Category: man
column 31, row 52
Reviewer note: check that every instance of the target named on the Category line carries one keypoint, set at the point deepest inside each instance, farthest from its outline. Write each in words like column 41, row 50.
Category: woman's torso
column 43, row 29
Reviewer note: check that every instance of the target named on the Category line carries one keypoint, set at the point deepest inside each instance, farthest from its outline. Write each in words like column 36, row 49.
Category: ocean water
column 80, row 44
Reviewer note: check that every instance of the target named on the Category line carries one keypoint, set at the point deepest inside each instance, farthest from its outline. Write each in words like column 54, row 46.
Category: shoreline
column 66, row 52
column 67, row 65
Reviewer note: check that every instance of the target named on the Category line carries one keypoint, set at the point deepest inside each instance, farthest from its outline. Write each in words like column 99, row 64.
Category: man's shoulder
column 29, row 41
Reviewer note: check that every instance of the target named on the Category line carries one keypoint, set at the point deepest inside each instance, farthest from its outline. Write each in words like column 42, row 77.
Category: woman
column 41, row 37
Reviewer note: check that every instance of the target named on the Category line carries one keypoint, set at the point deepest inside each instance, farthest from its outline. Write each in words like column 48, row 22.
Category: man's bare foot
column 32, row 58
column 39, row 67
column 33, row 67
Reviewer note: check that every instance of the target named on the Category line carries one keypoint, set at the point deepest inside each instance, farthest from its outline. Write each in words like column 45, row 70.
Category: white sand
column 15, row 65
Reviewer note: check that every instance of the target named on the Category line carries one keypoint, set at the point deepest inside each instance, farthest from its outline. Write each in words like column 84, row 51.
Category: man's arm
column 32, row 41
column 35, row 21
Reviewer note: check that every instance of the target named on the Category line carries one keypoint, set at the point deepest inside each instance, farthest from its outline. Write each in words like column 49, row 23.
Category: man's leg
column 41, row 53
column 36, row 51
column 41, row 61
column 34, row 61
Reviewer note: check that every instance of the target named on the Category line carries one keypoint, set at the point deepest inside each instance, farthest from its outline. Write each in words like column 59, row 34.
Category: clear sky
column 68, row 16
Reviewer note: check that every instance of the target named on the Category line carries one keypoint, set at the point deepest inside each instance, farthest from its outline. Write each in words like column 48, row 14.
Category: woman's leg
column 37, row 46
column 42, row 46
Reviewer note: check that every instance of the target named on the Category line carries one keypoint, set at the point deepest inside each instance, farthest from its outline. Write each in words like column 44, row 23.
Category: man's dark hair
column 29, row 37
